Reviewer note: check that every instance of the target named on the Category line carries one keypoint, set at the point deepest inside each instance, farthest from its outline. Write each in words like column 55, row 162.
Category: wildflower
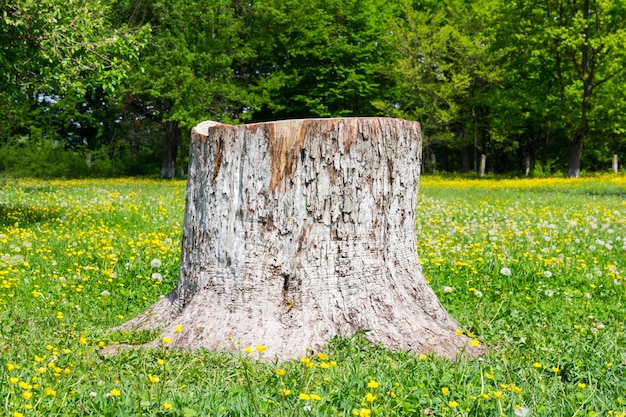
column 155, row 263
column 115, row 392
column 160, row 361
column 260, row 348
column 316, row 397
column 304, row 396
column 27, row 395
column 12, row 366
column 179, row 329
column 322, row 356
column 369, row 397
column 475, row 342
column 373, row 384
column 167, row 340
column 25, row 385
column 105, row 293
column 453, row 404
column 17, row 414
column 14, row 380
column 549, row 293
column 478, row 294
column 488, row 375
column 50, row 392
column 555, row 369
column 458, row 332
column 93, row 394
column 498, row 394
column 422, row 357
column 281, row 372
column 82, row 340
column 153, row 378
column 362, row 412
column 506, row 272
column 285, row 391
column 445, row 390
column 167, row 405
column 324, row 365
column 447, row 290
column 537, row 365
column 157, row 277
column 248, row 349
column 582, row 385
column 521, row 411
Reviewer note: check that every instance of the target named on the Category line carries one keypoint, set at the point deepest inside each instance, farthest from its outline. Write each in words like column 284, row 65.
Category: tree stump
column 299, row 230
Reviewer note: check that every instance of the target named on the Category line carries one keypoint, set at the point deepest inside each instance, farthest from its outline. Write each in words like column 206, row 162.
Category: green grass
column 75, row 261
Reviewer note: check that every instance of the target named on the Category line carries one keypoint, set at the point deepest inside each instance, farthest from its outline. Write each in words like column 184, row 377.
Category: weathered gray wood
column 296, row 231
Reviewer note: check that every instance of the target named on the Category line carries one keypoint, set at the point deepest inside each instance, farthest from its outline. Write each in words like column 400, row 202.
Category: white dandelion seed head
column 521, row 411
column 93, row 394
column 549, row 293
column 547, row 274
column 478, row 294
column 506, row 272
column 105, row 293
column 157, row 277
column 447, row 289
column 155, row 263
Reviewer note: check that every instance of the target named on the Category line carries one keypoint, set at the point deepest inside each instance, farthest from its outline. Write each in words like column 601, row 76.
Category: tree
column 325, row 58
column 187, row 72
column 447, row 70
column 297, row 231
column 581, row 45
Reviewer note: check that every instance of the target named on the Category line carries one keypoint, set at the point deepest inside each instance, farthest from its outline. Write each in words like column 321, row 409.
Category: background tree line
column 112, row 87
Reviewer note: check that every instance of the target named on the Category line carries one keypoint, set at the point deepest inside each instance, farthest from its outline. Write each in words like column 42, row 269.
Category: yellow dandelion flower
column 153, row 378
column 304, row 396
column 160, row 361
column 453, row 404
column 12, row 366
column 281, row 372
column 537, row 365
column 488, row 375
column 498, row 394
column 82, row 340
column 323, row 356
column 167, row 340
column 458, row 332
column 445, row 390
column 260, row 348
column 369, row 397
column 248, row 349
column 475, row 342
column 285, row 391
column 333, row 363
column 14, row 380
column 27, row 395
column 115, row 392
column 25, row 385
column 167, row 405
column 582, row 385
column 422, row 357
column 373, row 384
column 179, row 329
column 17, row 414
column 315, row 397
column 364, row 412
column 324, row 365
column 50, row 392
column 555, row 369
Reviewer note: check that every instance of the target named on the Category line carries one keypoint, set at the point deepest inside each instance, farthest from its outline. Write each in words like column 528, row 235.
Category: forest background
column 112, row 87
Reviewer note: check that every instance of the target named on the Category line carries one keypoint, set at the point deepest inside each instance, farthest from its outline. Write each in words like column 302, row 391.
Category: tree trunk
column 296, row 231
column 173, row 139
column 575, row 158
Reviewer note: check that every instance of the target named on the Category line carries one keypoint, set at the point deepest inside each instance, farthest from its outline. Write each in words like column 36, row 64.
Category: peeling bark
column 296, row 231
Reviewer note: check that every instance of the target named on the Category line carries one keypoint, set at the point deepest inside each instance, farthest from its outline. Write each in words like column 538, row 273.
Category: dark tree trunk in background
column 297, row 231
column 173, row 139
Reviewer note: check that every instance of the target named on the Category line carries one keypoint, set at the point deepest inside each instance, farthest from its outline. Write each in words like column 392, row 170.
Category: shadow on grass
column 24, row 214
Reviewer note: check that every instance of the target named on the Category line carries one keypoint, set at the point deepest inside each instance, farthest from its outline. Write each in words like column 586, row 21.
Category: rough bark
column 171, row 143
column 296, row 231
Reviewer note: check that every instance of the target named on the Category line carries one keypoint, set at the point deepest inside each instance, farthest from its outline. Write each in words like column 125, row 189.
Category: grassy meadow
column 534, row 269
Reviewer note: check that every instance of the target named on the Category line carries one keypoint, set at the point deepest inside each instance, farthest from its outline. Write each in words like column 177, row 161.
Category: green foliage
column 534, row 269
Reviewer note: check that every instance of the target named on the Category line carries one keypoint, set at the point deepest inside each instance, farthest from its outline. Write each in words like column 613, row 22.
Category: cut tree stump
column 296, row 231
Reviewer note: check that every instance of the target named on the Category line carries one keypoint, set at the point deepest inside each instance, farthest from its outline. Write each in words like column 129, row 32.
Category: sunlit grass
column 534, row 269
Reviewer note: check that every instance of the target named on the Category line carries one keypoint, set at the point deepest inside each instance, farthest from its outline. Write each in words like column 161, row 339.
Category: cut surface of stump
column 296, row 231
